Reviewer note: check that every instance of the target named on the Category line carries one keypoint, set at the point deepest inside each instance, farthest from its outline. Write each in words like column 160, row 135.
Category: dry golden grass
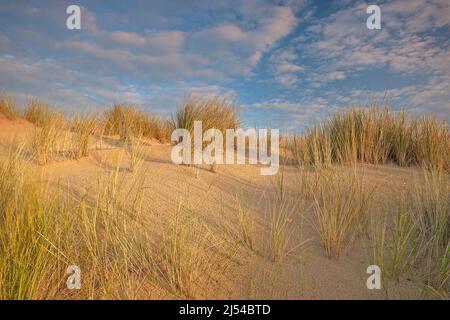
column 415, row 240
column 46, row 140
column 83, row 128
column 216, row 112
column 246, row 222
column 187, row 259
column 105, row 229
column 128, row 122
column 32, row 245
column 8, row 106
column 40, row 113
column 342, row 202
column 375, row 136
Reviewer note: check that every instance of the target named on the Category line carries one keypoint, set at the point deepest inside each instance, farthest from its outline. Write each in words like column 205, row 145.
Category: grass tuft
column 8, row 106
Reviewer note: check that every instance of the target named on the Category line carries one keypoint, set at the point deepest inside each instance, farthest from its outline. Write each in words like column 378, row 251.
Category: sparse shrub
column 8, row 106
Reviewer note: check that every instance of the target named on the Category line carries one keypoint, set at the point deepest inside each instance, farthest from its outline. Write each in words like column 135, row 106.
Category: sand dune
column 303, row 274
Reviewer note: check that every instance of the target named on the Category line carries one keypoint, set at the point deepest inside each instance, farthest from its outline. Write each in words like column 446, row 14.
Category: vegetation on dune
column 8, row 106
column 414, row 241
column 215, row 112
column 43, row 229
column 41, row 113
column 43, row 232
column 342, row 205
column 375, row 136
column 83, row 128
column 127, row 122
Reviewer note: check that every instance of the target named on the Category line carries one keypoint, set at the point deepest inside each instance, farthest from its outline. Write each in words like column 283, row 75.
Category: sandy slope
column 307, row 274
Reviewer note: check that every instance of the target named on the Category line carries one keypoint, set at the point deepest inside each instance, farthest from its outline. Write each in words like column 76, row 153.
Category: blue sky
column 287, row 64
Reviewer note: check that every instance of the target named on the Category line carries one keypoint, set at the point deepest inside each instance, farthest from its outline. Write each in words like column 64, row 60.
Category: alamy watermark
column 259, row 142
column 374, row 280
column 73, row 21
column 74, row 279
column 373, row 22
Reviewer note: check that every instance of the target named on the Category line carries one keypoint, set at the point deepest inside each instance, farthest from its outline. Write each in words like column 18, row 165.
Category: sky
column 287, row 64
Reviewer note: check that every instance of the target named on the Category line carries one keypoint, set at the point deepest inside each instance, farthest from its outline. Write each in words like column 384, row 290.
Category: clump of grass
column 284, row 210
column 431, row 218
column 432, row 142
column 51, row 139
column 402, row 236
column 245, row 221
column 40, row 114
column 403, row 142
column 416, row 239
column 83, row 128
column 127, row 121
column 113, row 119
column 134, row 147
column 186, row 264
column 393, row 238
column 43, row 232
column 117, row 261
column 216, row 112
column 375, row 136
column 341, row 205
column 157, row 128
column 33, row 245
column 8, row 106
column 44, row 142
column 281, row 215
